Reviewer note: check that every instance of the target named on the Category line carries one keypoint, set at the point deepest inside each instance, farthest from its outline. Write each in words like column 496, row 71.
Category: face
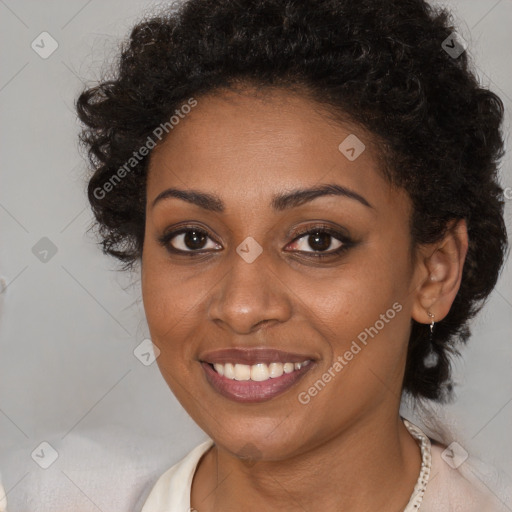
column 250, row 264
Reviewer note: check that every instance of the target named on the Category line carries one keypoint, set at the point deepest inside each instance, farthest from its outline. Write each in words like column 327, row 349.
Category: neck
column 373, row 465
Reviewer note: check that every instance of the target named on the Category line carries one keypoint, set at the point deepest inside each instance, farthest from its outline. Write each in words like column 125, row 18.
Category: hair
column 379, row 63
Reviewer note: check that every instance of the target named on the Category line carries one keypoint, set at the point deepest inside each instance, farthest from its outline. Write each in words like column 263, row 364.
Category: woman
column 311, row 191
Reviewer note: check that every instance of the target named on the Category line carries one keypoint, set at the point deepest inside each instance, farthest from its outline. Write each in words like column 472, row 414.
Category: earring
column 432, row 357
column 432, row 323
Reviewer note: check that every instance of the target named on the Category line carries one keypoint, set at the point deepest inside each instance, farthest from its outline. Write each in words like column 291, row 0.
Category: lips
column 261, row 389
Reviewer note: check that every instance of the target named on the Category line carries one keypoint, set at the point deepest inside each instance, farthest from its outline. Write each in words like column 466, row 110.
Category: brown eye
column 194, row 240
column 188, row 240
column 318, row 241
column 321, row 241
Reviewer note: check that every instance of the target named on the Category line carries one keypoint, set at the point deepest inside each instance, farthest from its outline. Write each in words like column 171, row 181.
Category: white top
column 453, row 485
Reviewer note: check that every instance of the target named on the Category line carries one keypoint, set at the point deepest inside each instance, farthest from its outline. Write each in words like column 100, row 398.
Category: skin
column 346, row 449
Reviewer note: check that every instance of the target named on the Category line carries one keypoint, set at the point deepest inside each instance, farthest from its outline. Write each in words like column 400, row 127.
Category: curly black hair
column 383, row 64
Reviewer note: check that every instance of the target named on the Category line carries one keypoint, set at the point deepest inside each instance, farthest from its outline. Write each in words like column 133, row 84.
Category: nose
column 250, row 296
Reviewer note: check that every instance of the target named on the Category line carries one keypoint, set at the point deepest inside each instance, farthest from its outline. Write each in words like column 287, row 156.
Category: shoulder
column 172, row 489
column 458, row 484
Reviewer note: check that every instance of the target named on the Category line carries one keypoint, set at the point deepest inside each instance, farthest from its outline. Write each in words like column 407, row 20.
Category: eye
column 321, row 241
column 188, row 240
column 317, row 241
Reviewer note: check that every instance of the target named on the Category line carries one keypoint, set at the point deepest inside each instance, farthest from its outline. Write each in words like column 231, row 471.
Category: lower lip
column 252, row 391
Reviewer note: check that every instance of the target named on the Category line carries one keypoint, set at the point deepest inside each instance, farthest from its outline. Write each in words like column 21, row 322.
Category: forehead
column 250, row 144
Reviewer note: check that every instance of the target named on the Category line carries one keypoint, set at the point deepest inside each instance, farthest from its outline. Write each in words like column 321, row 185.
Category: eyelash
column 346, row 242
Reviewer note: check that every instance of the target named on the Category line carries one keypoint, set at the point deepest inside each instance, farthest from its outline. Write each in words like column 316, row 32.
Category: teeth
column 242, row 372
column 288, row 367
column 275, row 370
column 257, row 372
column 260, row 372
column 229, row 371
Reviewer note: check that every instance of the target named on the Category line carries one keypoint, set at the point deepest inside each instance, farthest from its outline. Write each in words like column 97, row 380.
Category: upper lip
column 252, row 356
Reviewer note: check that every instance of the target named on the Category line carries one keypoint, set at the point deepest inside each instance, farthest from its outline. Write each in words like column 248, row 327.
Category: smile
column 249, row 390
column 259, row 372
column 254, row 374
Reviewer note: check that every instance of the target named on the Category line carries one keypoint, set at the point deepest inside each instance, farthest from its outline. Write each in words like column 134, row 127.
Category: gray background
column 69, row 325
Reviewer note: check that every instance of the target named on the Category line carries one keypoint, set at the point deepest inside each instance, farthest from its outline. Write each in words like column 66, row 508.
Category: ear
column 438, row 272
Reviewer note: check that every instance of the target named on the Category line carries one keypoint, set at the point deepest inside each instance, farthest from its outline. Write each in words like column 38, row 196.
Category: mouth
column 254, row 375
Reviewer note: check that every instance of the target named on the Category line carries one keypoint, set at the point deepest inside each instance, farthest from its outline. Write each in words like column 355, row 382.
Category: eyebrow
column 279, row 202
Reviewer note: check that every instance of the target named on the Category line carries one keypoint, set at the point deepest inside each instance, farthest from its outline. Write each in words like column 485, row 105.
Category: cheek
column 362, row 318
column 168, row 305
column 169, row 312
column 364, row 312
column 166, row 292
column 365, row 331
column 355, row 295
